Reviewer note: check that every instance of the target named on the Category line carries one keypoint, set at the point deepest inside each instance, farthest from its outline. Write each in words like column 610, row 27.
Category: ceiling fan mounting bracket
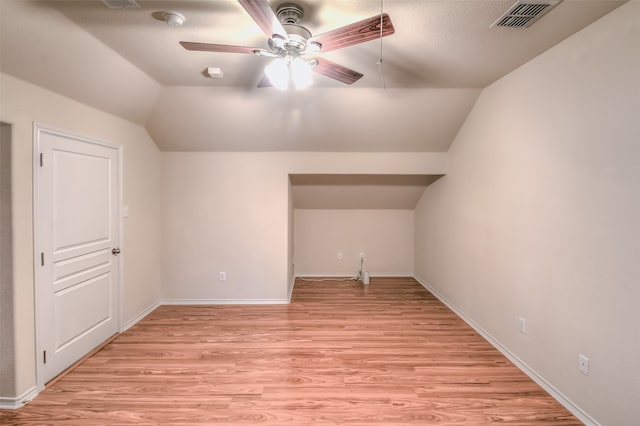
column 289, row 13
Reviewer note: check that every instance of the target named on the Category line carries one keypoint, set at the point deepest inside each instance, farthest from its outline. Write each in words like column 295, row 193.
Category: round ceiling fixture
column 289, row 13
column 173, row 19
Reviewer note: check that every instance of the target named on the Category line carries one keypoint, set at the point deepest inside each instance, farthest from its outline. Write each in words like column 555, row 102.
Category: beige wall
column 23, row 104
column 384, row 236
column 538, row 216
column 290, row 241
column 7, row 361
column 230, row 212
column 224, row 213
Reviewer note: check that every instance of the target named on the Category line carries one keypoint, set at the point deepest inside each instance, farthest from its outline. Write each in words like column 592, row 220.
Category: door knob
column 115, row 251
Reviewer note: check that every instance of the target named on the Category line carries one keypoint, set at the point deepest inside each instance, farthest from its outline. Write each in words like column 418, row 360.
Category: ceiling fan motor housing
column 298, row 36
column 289, row 14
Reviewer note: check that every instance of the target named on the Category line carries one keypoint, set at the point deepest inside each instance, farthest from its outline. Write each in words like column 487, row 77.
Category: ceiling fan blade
column 358, row 32
column 209, row 47
column 261, row 12
column 336, row 71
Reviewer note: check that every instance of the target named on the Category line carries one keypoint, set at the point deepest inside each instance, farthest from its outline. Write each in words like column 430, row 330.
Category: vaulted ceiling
column 128, row 62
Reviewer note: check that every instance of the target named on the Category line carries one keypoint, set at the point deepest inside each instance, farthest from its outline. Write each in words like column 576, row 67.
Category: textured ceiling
column 129, row 63
column 445, row 43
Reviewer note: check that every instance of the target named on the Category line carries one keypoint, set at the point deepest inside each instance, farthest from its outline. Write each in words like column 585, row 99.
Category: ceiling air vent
column 524, row 13
column 121, row 4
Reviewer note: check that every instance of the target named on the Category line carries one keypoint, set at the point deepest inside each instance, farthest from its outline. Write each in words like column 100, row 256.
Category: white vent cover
column 524, row 13
column 121, row 4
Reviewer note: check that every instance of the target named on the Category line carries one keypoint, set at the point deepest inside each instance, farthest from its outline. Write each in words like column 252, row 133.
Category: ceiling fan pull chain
column 379, row 62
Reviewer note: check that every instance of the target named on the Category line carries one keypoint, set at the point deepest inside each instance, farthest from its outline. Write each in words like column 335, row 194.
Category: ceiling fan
column 293, row 47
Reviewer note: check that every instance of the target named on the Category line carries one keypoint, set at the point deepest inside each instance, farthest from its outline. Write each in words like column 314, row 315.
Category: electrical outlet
column 223, row 276
column 583, row 364
column 522, row 325
column 339, row 255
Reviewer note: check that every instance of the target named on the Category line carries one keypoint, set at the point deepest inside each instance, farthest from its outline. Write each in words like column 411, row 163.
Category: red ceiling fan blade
column 336, row 71
column 261, row 12
column 209, row 47
column 358, row 32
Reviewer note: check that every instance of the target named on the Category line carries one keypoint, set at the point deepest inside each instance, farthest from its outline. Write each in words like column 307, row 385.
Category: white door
column 77, row 243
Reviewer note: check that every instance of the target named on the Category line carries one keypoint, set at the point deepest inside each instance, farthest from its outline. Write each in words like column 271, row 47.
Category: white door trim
column 39, row 129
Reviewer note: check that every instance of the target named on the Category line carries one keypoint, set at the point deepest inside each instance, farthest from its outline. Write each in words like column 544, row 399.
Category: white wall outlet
column 583, row 364
column 339, row 255
column 522, row 325
column 223, row 276
column 361, row 255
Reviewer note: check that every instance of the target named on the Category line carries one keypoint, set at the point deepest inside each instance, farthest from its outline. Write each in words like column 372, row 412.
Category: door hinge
column 41, row 159
column 41, row 259
column 44, row 356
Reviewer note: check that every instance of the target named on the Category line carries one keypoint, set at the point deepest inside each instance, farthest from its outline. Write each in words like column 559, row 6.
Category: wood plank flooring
column 340, row 353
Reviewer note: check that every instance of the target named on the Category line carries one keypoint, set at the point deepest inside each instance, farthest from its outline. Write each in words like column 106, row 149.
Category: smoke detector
column 173, row 18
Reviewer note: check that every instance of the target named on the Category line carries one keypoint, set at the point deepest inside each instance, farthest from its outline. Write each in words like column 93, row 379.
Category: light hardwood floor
column 341, row 353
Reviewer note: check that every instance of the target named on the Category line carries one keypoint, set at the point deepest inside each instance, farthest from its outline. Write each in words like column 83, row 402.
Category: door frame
column 38, row 129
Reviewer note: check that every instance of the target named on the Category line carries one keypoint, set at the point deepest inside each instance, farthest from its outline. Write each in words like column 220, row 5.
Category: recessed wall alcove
column 338, row 217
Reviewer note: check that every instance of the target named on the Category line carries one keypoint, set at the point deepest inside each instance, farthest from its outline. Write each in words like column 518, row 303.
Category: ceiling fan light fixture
column 300, row 73
column 278, row 73
column 290, row 71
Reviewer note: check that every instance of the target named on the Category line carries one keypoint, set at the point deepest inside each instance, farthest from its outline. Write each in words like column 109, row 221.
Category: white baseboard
column 390, row 275
column 555, row 393
column 315, row 275
column 224, row 302
column 7, row 403
column 371, row 274
column 127, row 325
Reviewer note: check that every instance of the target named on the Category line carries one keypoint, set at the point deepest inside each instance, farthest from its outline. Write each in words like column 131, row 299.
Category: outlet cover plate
column 583, row 364
column 522, row 325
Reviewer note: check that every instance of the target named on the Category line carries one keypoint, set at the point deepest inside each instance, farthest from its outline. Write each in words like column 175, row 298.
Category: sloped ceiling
column 358, row 191
column 129, row 63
